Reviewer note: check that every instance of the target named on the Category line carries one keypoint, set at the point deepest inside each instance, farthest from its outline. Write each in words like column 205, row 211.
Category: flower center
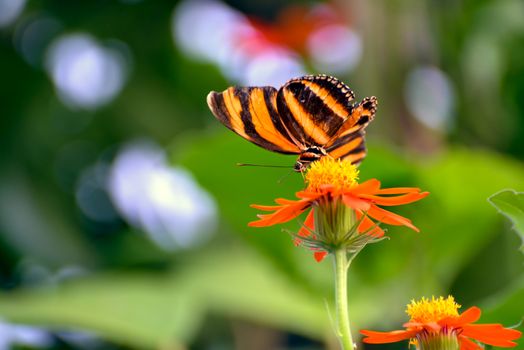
column 334, row 172
column 433, row 310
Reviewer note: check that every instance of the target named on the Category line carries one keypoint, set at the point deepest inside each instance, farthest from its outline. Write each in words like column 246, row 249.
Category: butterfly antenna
column 284, row 176
column 263, row 165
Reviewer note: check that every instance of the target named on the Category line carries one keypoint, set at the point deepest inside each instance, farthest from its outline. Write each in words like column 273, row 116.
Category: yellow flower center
column 328, row 171
column 426, row 310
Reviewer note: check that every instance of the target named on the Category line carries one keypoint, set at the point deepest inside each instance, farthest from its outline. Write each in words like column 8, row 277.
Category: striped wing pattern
column 348, row 143
column 311, row 111
column 251, row 113
column 314, row 107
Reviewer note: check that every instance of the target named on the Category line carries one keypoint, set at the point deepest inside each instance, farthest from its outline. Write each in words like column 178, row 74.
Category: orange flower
column 330, row 183
column 437, row 322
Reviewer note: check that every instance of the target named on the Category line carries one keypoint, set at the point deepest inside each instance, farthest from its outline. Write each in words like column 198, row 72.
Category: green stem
column 341, row 299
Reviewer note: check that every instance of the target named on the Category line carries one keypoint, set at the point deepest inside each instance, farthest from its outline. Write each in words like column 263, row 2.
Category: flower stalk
column 341, row 264
column 343, row 217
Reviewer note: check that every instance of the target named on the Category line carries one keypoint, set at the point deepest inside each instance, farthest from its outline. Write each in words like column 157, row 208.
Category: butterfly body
column 309, row 155
column 311, row 116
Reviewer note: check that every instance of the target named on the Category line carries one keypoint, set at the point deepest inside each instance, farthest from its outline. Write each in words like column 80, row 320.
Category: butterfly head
column 311, row 154
column 301, row 166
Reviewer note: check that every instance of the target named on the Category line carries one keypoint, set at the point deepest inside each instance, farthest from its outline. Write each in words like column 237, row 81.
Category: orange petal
column 309, row 225
column 266, row 207
column 397, row 200
column 309, row 195
column 390, row 218
column 320, row 255
column 367, row 224
column 387, row 337
column 413, row 325
column 398, row 190
column 431, row 327
column 355, row 202
column 469, row 316
column 282, row 215
column 367, row 187
column 492, row 334
column 466, row 344
column 283, row 201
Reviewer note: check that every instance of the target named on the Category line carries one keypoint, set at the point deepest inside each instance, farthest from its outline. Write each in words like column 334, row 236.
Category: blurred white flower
column 214, row 32
column 430, row 96
column 272, row 68
column 207, row 29
column 335, row 49
column 86, row 74
column 12, row 334
column 9, row 11
column 163, row 201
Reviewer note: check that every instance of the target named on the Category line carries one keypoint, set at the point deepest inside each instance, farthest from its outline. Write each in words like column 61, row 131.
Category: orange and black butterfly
column 311, row 116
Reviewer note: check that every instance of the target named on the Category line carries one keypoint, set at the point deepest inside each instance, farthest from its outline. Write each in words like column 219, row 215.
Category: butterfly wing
column 348, row 142
column 314, row 107
column 307, row 111
column 251, row 113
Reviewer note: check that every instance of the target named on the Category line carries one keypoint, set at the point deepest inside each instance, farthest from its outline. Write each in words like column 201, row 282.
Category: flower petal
column 467, row 344
column 367, row 224
column 355, row 202
column 390, row 218
column 413, row 325
column 387, row 337
column 492, row 334
column 309, row 195
column 367, row 187
column 283, row 201
column 429, row 326
column 398, row 190
column 432, row 327
column 397, row 200
column 320, row 255
column 469, row 316
column 266, row 207
column 309, row 225
column 284, row 214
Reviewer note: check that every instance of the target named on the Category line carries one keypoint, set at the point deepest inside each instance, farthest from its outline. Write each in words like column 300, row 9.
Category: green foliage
column 511, row 204
column 282, row 284
column 167, row 309
column 508, row 303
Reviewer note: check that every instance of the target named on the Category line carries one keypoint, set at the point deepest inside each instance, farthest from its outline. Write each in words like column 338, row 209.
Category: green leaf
column 244, row 285
column 505, row 305
column 133, row 309
column 150, row 310
column 511, row 204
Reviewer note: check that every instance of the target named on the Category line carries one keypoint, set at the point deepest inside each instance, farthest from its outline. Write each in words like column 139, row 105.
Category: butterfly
column 311, row 116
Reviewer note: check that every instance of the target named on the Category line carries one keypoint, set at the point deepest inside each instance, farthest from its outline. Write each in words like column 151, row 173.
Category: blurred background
column 123, row 218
